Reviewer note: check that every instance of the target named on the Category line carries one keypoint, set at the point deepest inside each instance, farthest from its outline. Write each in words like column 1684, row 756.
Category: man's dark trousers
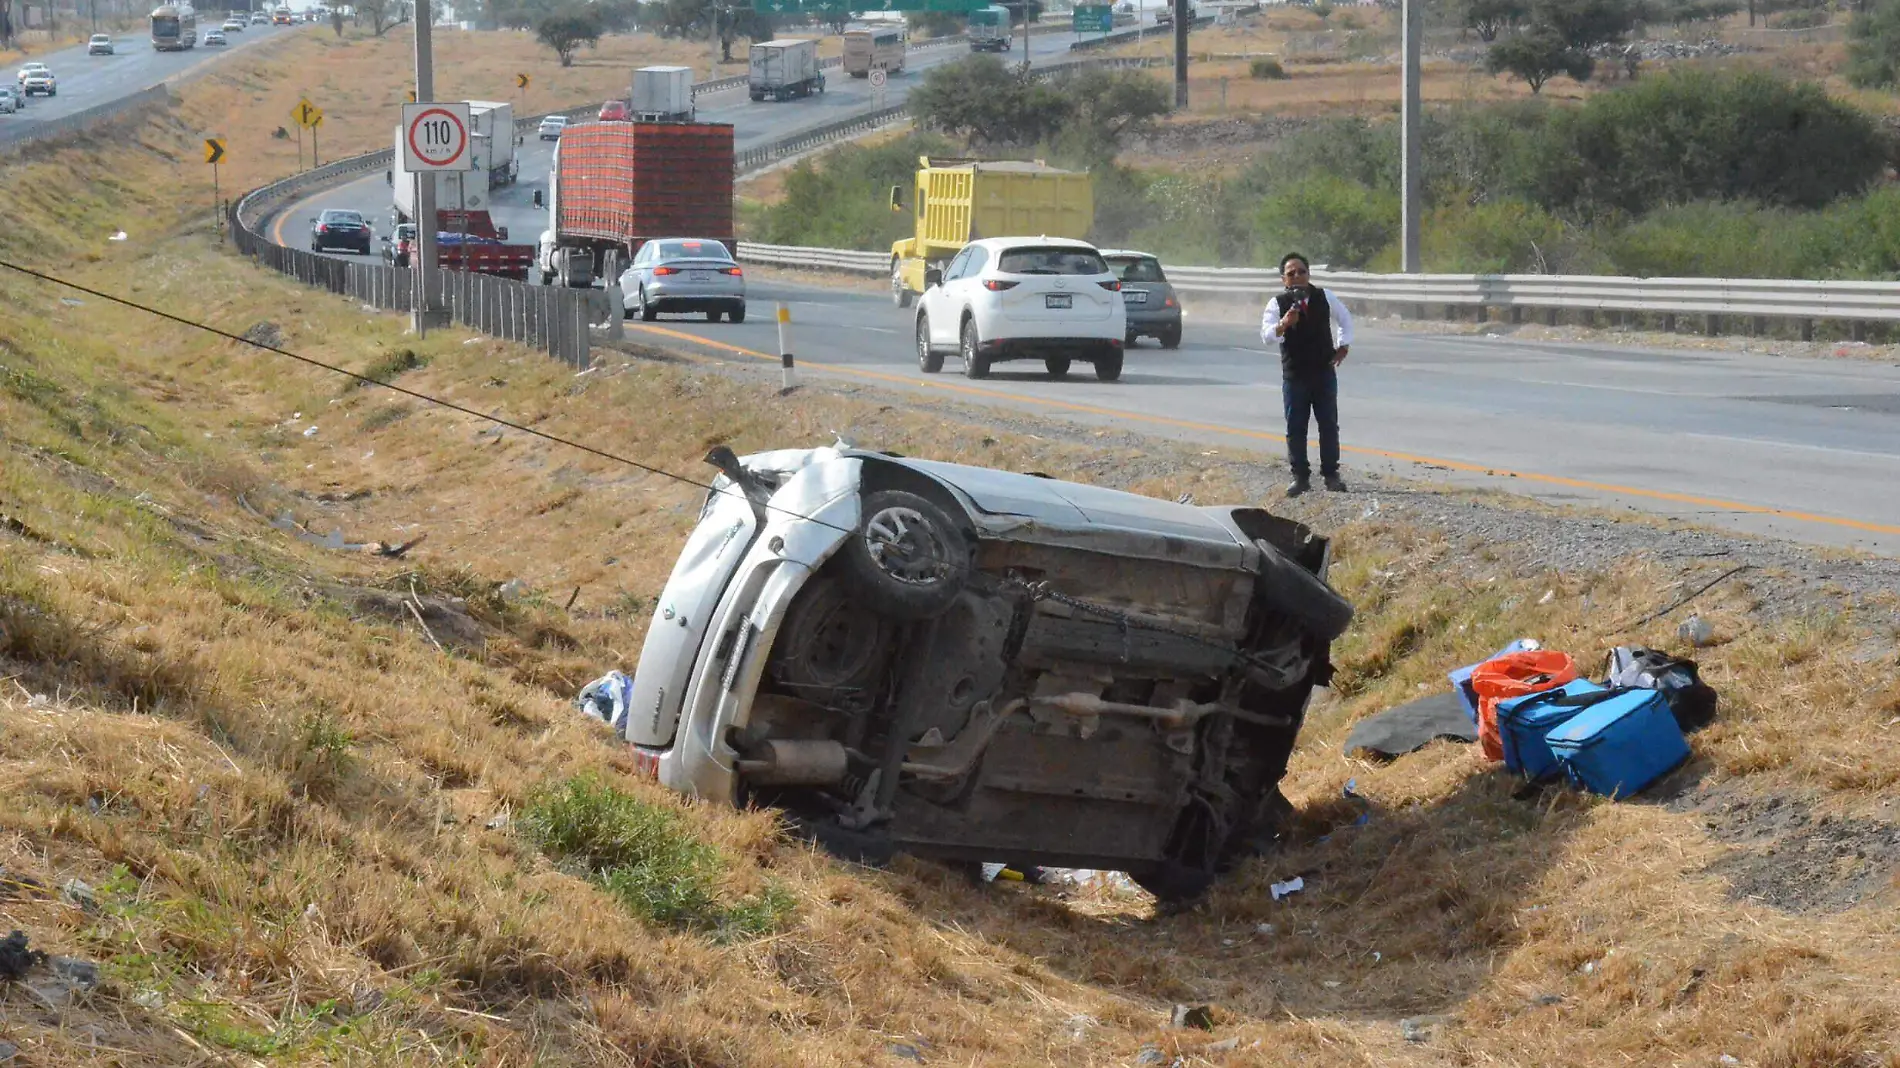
column 1313, row 394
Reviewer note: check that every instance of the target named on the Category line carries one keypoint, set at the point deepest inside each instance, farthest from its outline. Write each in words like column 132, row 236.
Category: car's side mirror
column 933, row 276
column 384, row 239
column 501, row 232
column 897, row 198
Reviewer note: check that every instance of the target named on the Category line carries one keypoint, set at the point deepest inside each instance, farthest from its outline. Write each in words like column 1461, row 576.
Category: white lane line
column 1765, row 443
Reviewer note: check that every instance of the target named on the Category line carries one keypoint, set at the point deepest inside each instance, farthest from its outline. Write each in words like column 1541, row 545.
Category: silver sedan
column 684, row 274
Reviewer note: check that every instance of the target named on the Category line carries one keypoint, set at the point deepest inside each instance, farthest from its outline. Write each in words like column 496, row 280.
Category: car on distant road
column 615, row 111
column 40, row 81
column 552, row 126
column 30, row 68
column 258, row 18
column 233, row 25
column 1148, row 297
column 1016, row 298
column 684, row 274
column 214, row 37
column 99, row 45
column 9, row 100
column 963, row 662
column 398, row 246
column 337, row 228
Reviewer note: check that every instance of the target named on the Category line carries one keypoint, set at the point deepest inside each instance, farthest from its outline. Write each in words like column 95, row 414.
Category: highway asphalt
column 1807, row 449
column 88, row 81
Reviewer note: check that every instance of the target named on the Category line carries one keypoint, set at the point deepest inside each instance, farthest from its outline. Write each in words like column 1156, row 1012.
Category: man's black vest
column 1307, row 348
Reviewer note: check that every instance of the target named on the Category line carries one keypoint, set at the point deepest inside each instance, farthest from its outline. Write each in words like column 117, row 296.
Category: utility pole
column 1408, row 138
column 425, row 260
column 1180, row 53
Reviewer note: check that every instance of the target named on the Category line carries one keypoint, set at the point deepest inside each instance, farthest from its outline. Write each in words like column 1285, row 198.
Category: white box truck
column 463, row 190
column 784, row 69
column 494, row 140
column 663, row 94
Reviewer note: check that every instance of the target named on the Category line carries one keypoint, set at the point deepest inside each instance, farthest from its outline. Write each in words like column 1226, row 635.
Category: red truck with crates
column 617, row 185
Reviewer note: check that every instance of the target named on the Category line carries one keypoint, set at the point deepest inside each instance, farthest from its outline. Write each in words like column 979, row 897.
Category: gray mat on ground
column 1413, row 725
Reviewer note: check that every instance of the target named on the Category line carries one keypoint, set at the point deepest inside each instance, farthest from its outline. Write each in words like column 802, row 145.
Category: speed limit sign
column 435, row 137
column 877, row 79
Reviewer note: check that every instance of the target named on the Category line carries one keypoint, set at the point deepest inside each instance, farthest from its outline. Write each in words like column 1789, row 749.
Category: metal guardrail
column 1138, row 34
column 1754, row 298
column 20, row 128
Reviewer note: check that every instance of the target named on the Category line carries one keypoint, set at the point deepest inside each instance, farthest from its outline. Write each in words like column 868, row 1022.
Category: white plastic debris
column 1291, row 886
column 608, row 699
column 120, row 236
column 310, row 433
column 1549, row 596
column 1263, row 929
column 1696, row 631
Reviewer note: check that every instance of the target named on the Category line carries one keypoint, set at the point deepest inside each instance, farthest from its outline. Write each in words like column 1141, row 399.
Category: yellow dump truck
column 961, row 200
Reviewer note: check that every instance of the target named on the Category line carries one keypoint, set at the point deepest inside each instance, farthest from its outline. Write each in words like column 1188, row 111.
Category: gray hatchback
column 684, row 274
column 1147, row 296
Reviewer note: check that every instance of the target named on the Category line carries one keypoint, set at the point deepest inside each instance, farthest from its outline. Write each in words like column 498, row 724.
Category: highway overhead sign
column 1093, row 18
column 435, row 137
column 521, row 81
column 306, row 114
column 214, row 149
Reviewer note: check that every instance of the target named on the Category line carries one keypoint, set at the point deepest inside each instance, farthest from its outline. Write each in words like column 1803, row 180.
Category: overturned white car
column 974, row 664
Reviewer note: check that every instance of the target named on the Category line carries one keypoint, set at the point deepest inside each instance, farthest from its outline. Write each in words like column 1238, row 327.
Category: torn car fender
column 811, row 516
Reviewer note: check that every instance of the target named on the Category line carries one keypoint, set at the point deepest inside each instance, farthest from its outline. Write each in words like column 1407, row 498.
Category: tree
column 383, row 15
column 987, row 103
column 567, row 31
column 934, row 23
column 1873, row 46
column 1537, row 54
column 1105, row 105
column 1491, row 17
column 1585, row 24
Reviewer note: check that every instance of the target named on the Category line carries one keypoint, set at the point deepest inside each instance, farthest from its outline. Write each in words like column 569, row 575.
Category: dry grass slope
column 315, row 837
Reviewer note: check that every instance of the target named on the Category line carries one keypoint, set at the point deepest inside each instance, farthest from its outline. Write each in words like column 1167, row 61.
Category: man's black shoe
column 1297, row 487
column 1335, row 484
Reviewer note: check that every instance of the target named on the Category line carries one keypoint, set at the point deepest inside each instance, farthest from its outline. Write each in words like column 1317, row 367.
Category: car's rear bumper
column 1156, row 319
column 1037, row 348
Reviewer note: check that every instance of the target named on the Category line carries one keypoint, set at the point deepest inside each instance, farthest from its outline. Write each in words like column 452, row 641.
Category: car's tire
column 737, row 314
column 648, row 312
column 1057, row 366
column 1302, row 596
column 1171, row 339
column 1108, row 366
column 715, row 315
column 1131, row 341
column 900, row 293
column 975, row 364
column 929, row 361
column 907, row 559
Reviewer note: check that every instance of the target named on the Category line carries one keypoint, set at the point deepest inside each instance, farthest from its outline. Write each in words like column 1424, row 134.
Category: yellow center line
column 1261, row 435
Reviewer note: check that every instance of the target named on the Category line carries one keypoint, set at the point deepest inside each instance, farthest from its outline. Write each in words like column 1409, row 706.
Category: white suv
column 1014, row 298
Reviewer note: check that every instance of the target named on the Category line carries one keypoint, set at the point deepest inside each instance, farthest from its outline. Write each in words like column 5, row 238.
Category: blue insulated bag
column 1524, row 721
column 1620, row 744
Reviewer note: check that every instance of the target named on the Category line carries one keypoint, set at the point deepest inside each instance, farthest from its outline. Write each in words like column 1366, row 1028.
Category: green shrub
column 842, row 198
column 646, row 857
column 1873, row 45
column 1798, row 20
column 1265, row 69
column 1336, row 221
column 1496, row 237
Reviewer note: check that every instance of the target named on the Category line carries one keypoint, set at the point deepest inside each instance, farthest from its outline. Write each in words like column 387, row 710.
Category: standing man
column 1313, row 330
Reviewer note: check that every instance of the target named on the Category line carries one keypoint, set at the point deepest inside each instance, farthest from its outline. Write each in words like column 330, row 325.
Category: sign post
column 307, row 116
column 214, row 151
column 878, row 78
column 435, row 141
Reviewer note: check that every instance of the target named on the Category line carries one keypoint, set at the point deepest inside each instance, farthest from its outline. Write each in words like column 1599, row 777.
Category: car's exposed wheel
column 648, row 312
column 1171, row 339
column 736, row 313
column 714, row 316
column 1297, row 593
column 900, row 293
column 975, row 364
column 906, row 560
column 929, row 361
column 1058, row 366
column 1108, row 366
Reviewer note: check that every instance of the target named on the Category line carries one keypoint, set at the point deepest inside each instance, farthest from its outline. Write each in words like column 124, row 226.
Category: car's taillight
column 1111, row 286
column 730, row 270
column 323, row 228
column 666, row 270
column 997, row 285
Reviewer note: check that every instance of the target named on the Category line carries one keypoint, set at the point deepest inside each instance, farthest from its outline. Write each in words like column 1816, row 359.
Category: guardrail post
column 1807, row 329
column 1550, row 316
column 1589, row 317
column 1669, row 322
column 788, row 374
column 1759, row 326
column 1517, row 314
column 582, row 335
column 1483, row 314
column 1859, row 330
column 1711, row 324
